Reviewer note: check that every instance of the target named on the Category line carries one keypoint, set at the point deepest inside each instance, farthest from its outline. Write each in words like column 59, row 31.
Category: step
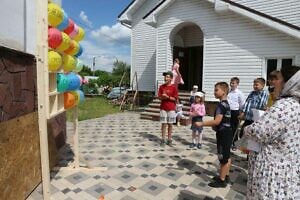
column 184, row 102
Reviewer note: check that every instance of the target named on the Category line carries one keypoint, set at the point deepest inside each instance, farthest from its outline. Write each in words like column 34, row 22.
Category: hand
column 165, row 96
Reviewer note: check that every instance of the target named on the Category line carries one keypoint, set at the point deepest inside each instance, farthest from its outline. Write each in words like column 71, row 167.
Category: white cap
column 195, row 86
column 199, row 94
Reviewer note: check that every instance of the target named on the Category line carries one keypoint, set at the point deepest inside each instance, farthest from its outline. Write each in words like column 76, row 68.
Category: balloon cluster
column 64, row 49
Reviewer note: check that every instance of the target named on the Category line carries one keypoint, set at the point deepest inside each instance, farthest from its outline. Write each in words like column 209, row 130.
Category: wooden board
column 20, row 165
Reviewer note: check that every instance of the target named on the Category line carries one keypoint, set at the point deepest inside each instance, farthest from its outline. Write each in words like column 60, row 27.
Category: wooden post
column 76, row 140
column 42, row 90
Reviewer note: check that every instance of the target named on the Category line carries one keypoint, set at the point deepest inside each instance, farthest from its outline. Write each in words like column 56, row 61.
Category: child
column 236, row 100
column 197, row 112
column 192, row 96
column 257, row 99
column 179, row 112
column 221, row 124
column 168, row 95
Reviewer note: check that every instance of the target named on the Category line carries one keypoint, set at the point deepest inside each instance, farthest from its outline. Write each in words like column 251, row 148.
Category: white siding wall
column 143, row 48
column 233, row 45
column 286, row 10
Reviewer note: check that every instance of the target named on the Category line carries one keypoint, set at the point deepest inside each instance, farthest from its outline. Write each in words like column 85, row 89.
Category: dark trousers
column 246, row 123
column 234, row 121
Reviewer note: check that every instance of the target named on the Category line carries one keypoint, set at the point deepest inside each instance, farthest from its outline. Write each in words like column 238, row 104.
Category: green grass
column 93, row 108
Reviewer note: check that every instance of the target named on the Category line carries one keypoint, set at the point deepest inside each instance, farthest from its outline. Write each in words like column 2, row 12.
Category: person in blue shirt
column 257, row 99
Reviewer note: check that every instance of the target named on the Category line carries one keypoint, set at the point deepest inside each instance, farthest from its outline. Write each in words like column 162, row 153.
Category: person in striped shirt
column 257, row 99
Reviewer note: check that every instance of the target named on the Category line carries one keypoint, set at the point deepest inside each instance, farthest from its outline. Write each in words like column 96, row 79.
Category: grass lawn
column 93, row 108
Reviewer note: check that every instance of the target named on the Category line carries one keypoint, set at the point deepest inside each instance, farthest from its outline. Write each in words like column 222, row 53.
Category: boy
column 257, row 99
column 168, row 95
column 236, row 100
column 221, row 124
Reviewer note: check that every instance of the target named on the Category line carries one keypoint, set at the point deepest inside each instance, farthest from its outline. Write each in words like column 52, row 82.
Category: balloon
column 77, row 96
column 64, row 24
column 80, row 34
column 62, row 82
column 65, row 44
column 54, row 61
column 69, row 63
column 76, row 48
column 70, row 27
column 79, row 51
column 74, row 32
column 74, row 81
column 69, row 100
column 54, row 38
column 80, row 78
column 81, row 96
column 71, row 47
column 55, row 14
column 79, row 66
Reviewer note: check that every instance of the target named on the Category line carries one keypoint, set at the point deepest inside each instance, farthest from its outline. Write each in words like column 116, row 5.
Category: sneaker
column 199, row 146
column 162, row 143
column 227, row 179
column 233, row 148
column 192, row 145
column 169, row 143
column 218, row 184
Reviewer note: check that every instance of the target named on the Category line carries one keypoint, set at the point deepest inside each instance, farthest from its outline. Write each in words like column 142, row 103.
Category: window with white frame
column 277, row 64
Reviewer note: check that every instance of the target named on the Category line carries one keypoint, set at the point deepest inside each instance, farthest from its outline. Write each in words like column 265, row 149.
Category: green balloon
column 62, row 82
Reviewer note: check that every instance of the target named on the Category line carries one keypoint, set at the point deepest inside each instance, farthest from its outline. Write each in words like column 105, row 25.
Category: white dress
column 274, row 173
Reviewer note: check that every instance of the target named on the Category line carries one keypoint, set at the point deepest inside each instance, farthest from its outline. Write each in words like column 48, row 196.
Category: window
column 277, row 64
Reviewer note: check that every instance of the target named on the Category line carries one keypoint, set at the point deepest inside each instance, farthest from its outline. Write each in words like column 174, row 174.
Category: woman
column 275, row 80
column 274, row 171
column 177, row 78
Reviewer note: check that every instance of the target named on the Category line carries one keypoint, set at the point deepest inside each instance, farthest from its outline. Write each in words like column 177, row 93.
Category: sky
column 105, row 38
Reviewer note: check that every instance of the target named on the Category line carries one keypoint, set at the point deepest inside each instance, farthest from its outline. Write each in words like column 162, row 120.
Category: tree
column 86, row 71
column 119, row 68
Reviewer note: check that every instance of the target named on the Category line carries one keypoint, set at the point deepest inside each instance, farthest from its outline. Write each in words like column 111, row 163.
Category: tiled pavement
column 138, row 168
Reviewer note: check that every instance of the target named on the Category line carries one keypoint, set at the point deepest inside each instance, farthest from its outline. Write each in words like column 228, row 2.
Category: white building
column 214, row 40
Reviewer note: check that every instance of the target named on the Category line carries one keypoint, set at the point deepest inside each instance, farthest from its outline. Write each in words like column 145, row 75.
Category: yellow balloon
column 75, row 50
column 65, row 44
column 54, row 61
column 55, row 14
column 69, row 63
column 80, row 34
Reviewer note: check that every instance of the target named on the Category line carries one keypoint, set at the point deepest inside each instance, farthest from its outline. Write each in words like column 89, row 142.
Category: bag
column 242, row 144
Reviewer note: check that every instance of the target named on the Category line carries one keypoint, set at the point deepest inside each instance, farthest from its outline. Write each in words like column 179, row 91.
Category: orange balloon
column 69, row 100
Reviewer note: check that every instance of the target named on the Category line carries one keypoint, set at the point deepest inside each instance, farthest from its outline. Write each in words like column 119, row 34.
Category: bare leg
column 170, row 127
column 224, row 170
column 163, row 131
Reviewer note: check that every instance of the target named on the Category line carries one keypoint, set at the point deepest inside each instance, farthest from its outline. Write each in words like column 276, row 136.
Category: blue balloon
column 79, row 51
column 81, row 94
column 74, row 81
column 64, row 24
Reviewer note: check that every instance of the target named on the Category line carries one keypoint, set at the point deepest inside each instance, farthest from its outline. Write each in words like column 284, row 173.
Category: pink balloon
column 54, row 37
column 75, row 31
column 70, row 27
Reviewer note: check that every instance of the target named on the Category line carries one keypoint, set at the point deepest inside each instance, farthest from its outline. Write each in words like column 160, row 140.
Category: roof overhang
column 125, row 17
column 227, row 5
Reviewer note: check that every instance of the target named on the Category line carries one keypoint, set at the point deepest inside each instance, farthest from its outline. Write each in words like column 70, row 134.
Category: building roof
column 294, row 30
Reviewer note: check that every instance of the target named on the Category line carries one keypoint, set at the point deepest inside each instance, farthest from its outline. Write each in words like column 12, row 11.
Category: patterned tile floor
column 137, row 167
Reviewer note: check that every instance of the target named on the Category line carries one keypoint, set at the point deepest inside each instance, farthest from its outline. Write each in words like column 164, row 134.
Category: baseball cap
column 199, row 94
column 168, row 73
column 195, row 86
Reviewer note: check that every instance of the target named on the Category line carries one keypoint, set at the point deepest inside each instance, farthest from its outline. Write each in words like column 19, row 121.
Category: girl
column 177, row 78
column 197, row 112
